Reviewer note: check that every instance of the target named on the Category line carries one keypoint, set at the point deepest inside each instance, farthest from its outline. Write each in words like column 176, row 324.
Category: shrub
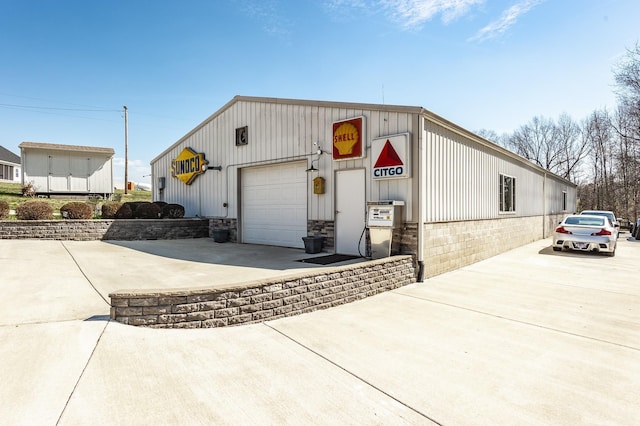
column 109, row 210
column 134, row 205
column 28, row 190
column 160, row 204
column 173, row 211
column 4, row 210
column 34, row 210
column 147, row 211
column 124, row 212
column 75, row 210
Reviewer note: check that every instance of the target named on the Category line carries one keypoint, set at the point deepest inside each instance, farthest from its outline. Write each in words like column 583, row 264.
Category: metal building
column 55, row 169
column 275, row 170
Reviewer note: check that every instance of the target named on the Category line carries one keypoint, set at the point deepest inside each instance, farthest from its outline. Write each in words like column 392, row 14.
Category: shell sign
column 348, row 137
column 188, row 165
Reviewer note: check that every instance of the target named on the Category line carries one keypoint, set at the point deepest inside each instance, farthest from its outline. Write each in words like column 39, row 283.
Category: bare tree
column 574, row 147
column 492, row 136
column 537, row 142
column 559, row 148
column 599, row 134
column 627, row 126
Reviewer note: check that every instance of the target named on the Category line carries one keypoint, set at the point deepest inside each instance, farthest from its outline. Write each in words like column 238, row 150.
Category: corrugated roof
column 59, row 147
column 8, row 156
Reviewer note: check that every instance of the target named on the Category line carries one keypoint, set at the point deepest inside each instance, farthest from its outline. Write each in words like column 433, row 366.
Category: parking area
column 527, row 337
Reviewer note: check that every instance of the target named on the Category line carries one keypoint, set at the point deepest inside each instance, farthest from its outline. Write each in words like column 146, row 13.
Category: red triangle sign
column 388, row 157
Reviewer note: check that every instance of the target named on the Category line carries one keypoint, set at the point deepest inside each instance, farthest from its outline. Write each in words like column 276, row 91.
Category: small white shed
column 55, row 169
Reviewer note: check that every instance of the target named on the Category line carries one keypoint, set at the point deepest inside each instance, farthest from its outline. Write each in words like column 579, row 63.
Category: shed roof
column 68, row 148
column 8, row 156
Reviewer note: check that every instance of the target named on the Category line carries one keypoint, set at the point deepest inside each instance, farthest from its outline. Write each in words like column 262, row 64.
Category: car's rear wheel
column 557, row 249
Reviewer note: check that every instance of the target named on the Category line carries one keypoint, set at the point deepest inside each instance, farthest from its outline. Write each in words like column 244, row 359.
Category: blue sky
column 68, row 67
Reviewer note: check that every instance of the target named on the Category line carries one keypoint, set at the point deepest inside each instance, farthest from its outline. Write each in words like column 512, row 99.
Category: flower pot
column 220, row 235
column 313, row 244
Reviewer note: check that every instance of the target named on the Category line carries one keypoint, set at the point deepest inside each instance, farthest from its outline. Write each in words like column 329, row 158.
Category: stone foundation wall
column 229, row 224
column 105, row 229
column 323, row 228
column 263, row 300
column 452, row 245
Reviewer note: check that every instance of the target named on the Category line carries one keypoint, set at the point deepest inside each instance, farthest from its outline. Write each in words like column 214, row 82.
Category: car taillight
column 561, row 230
column 601, row 233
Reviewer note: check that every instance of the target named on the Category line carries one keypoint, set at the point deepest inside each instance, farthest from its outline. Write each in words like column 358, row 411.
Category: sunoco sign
column 188, row 165
column 391, row 157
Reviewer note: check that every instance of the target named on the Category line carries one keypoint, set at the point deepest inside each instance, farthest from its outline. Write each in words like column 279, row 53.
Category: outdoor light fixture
column 318, row 152
column 218, row 168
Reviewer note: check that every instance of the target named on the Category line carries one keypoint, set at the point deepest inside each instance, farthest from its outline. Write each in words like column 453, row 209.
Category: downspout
column 544, row 207
column 422, row 193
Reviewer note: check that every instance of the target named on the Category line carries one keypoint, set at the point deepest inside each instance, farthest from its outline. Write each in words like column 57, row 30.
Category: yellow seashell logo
column 347, row 139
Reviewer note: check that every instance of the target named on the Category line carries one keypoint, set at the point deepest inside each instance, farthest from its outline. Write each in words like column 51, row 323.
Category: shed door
column 274, row 204
column 58, row 173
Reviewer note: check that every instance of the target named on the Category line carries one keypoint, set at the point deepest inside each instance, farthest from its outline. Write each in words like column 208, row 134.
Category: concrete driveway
column 527, row 337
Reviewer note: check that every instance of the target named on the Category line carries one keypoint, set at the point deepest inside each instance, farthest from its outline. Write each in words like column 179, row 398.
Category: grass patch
column 12, row 194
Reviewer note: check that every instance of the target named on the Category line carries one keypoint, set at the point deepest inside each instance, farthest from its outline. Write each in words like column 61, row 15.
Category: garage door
column 274, row 204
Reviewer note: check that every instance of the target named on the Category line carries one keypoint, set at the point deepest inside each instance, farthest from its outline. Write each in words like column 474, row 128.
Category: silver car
column 586, row 233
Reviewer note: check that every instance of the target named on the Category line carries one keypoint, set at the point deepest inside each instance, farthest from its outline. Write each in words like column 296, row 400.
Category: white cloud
column 408, row 13
column 119, row 161
column 270, row 16
column 414, row 13
column 508, row 18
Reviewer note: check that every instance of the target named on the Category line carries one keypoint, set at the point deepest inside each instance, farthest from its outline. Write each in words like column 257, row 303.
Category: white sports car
column 586, row 233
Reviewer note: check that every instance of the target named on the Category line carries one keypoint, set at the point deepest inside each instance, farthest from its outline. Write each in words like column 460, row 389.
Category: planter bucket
column 220, row 235
column 313, row 244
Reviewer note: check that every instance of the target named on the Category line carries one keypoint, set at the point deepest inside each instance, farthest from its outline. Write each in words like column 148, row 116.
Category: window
column 507, row 193
column 564, row 201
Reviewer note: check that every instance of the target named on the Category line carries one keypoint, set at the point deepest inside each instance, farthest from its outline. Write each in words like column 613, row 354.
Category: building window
column 507, row 194
column 564, row 201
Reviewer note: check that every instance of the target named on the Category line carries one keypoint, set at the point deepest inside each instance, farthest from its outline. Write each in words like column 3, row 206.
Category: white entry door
column 350, row 211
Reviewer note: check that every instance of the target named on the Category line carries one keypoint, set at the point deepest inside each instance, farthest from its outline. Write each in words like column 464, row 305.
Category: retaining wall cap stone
column 191, row 291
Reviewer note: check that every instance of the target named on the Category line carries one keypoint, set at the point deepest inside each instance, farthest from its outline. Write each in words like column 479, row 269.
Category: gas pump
column 382, row 218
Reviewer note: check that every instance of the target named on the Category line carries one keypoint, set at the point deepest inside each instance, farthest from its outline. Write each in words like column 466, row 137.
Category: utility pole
column 126, row 149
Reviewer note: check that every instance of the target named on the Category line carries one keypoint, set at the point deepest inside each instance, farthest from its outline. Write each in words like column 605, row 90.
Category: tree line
column 600, row 153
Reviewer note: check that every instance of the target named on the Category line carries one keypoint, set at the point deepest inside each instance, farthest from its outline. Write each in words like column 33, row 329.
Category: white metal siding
column 462, row 180
column 78, row 173
column 461, row 172
column 60, row 171
column 277, row 132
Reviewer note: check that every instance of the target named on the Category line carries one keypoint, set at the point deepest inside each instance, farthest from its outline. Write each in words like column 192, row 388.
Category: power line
column 59, row 109
column 52, row 101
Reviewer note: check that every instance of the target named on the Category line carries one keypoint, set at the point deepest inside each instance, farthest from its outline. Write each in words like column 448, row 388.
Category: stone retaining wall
column 259, row 301
column 105, row 229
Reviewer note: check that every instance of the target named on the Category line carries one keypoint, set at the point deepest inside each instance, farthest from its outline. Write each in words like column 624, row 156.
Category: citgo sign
column 391, row 157
column 188, row 165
